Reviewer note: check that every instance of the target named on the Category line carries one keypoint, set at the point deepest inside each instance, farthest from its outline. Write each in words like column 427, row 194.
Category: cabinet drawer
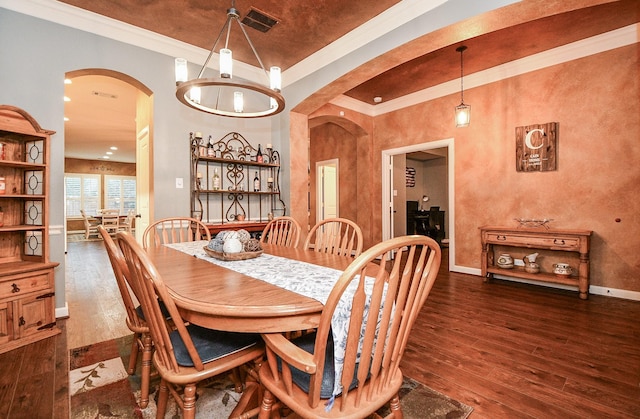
column 550, row 242
column 23, row 284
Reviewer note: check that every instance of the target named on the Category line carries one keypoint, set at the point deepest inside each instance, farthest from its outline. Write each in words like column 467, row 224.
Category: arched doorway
column 106, row 109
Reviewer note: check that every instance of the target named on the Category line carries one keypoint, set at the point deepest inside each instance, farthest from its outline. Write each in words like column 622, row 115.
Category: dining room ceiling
column 303, row 28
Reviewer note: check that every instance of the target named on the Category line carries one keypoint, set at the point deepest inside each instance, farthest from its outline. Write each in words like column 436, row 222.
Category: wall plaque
column 537, row 147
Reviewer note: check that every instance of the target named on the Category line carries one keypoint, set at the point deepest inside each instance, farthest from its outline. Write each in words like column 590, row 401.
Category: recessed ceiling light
column 105, row 157
column 66, row 119
column 377, row 99
column 109, row 153
column 66, row 99
column 67, row 81
column 113, row 148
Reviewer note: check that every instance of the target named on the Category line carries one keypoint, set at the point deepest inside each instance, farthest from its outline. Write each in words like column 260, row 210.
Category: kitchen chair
column 111, row 220
column 187, row 354
column 282, row 231
column 300, row 373
column 338, row 236
column 135, row 318
column 90, row 226
column 127, row 223
column 174, row 230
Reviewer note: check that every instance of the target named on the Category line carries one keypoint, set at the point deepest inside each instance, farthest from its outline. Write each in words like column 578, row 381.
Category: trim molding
column 62, row 312
column 87, row 21
column 590, row 46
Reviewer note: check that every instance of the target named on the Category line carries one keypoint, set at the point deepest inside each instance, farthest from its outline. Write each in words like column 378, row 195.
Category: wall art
column 537, row 147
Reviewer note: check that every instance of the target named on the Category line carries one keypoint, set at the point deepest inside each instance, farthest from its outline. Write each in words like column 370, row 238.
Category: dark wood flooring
column 509, row 350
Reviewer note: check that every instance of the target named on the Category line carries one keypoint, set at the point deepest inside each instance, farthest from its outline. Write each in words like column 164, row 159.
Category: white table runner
column 304, row 278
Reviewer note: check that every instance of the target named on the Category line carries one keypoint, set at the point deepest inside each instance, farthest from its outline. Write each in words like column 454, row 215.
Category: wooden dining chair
column 185, row 354
column 111, row 220
column 127, row 223
column 281, row 231
column 338, row 236
column 300, row 373
column 174, row 230
column 90, row 226
column 135, row 318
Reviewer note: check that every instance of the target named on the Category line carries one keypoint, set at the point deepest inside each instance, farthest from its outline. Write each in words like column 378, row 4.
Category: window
column 82, row 192
column 120, row 193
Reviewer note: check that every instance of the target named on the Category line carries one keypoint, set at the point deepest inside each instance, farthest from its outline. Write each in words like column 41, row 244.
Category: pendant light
column 463, row 112
column 222, row 96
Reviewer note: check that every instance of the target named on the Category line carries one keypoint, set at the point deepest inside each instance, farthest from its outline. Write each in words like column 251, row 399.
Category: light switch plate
column 179, row 183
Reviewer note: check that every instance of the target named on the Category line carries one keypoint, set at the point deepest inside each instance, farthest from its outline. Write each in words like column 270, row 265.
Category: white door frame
column 387, row 189
column 319, row 190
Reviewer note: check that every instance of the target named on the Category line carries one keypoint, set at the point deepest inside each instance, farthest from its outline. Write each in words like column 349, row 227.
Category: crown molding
column 74, row 17
column 618, row 38
column 380, row 25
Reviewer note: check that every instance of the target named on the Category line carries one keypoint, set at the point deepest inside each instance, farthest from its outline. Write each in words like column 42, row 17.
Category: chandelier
column 463, row 112
column 221, row 95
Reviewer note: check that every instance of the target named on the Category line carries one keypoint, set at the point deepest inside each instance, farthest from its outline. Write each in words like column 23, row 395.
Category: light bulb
column 238, row 102
column 226, row 63
column 275, row 78
column 182, row 73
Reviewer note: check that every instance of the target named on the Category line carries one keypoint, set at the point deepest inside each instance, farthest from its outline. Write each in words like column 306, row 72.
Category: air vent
column 103, row 94
column 259, row 20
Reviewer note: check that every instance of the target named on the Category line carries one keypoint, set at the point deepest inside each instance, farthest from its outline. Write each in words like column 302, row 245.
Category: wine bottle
column 216, row 180
column 256, row 183
column 210, row 151
column 259, row 155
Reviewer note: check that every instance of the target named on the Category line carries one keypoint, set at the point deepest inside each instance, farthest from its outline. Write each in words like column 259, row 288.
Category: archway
column 111, row 109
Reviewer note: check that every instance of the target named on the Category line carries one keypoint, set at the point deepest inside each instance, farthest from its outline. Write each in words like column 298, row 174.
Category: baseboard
column 62, row 312
column 593, row 289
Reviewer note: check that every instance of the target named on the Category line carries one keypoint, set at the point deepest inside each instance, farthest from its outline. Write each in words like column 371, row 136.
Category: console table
column 558, row 246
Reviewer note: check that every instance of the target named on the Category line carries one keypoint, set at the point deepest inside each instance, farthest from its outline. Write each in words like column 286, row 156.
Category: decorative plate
column 232, row 256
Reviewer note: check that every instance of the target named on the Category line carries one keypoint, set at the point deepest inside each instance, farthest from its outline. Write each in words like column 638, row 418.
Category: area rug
column 72, row 238
column 101, row 388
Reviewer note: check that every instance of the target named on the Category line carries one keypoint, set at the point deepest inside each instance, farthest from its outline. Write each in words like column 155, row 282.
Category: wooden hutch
column 27, row 297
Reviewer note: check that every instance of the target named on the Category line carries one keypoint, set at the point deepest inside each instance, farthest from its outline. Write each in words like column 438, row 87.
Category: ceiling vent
column 259, row 20
column 104, row 94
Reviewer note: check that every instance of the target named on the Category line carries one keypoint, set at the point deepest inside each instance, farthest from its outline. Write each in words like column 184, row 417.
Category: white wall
column 34, row 57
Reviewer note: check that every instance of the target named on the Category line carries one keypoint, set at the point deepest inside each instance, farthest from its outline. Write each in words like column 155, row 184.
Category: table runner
column 304, row 278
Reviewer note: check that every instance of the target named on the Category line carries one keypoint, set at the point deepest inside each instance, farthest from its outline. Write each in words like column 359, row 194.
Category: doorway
column 393, row 176
column 327, row 189
column 105, row 112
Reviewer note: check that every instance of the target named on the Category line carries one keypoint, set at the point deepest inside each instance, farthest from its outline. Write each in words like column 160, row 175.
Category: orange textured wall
column 595, row 100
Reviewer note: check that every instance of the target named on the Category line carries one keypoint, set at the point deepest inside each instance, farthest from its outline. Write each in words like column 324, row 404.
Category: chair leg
column 145, row 374
column 133, row 356
column 236, row 377
column 267, row 405
column 396, row 408
column 189, row 401
column 163, row 398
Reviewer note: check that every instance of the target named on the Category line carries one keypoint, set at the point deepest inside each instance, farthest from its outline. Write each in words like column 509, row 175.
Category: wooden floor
column 508, row 350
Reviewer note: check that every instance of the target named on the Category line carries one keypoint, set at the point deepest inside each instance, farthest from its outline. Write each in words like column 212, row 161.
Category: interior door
column 144, row 165
column 327, row 190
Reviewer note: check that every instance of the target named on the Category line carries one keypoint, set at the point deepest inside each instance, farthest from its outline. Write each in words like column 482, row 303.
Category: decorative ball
column 252, row 245
column 227, row 234
column 216, row 244
column 243, row 235
column 232, row 245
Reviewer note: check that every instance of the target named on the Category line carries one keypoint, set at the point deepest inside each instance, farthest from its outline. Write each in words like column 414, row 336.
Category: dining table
column 212, row 293
column 279, row 291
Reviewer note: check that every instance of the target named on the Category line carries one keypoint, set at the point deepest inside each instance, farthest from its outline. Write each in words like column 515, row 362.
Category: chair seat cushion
column 302, row 379
column 163, row 309
column 211, row 344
